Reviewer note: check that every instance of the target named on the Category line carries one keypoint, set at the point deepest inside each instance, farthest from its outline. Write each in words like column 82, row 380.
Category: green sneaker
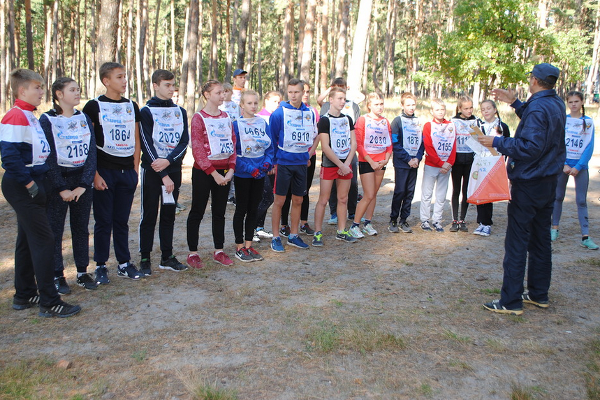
column 589, row 244
column 317, row 239
column 345, row 236
column 554, row 235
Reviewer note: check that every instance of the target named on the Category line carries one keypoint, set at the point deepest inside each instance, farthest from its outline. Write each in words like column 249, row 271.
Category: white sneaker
column 261, row 233
column 369, row 230
column 355, row 232
column 478, row 230
column 486, row 230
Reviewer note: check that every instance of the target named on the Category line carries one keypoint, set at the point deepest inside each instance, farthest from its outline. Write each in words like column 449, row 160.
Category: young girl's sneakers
column 222, row 259
column 589, row 244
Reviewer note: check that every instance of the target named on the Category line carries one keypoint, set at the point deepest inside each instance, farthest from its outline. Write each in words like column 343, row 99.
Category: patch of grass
column 426, row 390
column 336, row 303
column 496, row 345
column 592, row 375
column 324, row 338
column 526, row 392
column 460, row 364
column 594, row 262
column 139, row 355
column 25, row 379
column 367, row 339
column 490, row 291
column 456, row 337
column 201, row 389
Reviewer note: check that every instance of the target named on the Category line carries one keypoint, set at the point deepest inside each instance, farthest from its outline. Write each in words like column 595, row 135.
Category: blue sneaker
column 276, row 245
column 297, row 242
column 332, row 220
column 102, row 275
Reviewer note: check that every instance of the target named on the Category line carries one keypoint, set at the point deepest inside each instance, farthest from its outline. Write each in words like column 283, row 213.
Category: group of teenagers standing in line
column 69, row 160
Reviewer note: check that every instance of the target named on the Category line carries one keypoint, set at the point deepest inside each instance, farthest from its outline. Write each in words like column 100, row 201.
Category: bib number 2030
column 77, row 150
column 120, row 134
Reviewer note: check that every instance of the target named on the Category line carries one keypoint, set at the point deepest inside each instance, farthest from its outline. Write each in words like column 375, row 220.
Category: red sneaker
column 222, row 259
column 194, row 261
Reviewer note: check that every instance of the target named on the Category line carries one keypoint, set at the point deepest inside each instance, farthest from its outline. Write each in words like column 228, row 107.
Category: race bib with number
column 253, row 137
column 443, row 136
column 167, row 129
column 339, row 137
column 463, row 133
column 377, row 136
column 72, row 139
column 298, row 129
column 412, row 135
column 231, row 108
column 40, row 148
column 219, row 131
column 118, row 124
column 577, row 136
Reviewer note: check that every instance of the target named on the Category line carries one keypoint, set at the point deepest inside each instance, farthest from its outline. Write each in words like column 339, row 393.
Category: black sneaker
column 243, row 255
column 146, row 266
column 454, row 227
column 255, row 254
column 102, row 275
column 462, row 226
column 284, row 231
column 393, row 227
column 87, row 282
column 307, row 229
column 405, row 227
column 60, row 310
column 537, row 303
column 494, row 306
column 20, row 304
column 130, row 271
column 62, row 287
column 172, row 264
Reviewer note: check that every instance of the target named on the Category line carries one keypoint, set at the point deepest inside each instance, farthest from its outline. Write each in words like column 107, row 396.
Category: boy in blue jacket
column 408, row 149
column 164, row 142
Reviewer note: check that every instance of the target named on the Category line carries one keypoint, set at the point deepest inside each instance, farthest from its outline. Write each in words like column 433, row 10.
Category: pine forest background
column 429, row 47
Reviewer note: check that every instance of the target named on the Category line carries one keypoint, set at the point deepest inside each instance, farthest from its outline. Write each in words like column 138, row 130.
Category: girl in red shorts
column 374, row 142
column 338, row 143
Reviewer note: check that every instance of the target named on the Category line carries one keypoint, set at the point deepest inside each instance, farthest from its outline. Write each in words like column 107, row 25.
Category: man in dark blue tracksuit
column 536, row 157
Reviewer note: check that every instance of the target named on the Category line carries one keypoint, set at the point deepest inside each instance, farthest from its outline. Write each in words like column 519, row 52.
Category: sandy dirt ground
column 395, row 316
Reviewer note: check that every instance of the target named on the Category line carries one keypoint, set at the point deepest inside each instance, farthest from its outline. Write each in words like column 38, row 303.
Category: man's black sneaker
column 60, row 310
column 494, row 306
column 393, row 227
column 62, row 287
column 307, row 229
column 146, row 267
column 87, row 282
column 462, row 226
column 20, row 304
column 172, row 264
column 405, row 227
column 130, row 271
column 102, row 275
column 454, row 227
column 538, row 303
column 284, row 230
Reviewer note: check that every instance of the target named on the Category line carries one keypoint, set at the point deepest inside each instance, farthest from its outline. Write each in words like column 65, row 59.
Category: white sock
column 100, row 266
column 123, row 265
column 80, row 274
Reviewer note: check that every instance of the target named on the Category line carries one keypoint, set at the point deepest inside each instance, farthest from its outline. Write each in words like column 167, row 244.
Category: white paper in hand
column 167, row 198
column 474, row 144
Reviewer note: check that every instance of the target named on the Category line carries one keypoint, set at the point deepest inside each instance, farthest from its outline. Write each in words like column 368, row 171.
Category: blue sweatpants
column 404, row 191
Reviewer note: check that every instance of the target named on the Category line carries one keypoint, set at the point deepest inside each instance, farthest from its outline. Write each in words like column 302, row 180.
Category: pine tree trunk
column 173, row 66
column 140, row 47
column 214, row 70
column 12, row 47
column 243, row 34
column 118, row 57
column 95, row 8
column 284, row 70
column 229, row 39
column 29, row 34
column 324, row 46
column 340, row 60
column 107, row 34
column 592, row 76
column 193, row 47
column 54, row 40
column 301, row 32
column 3, row 58
column 184, row 59
column 309, row 29
column 259, row 46
column 129, row 58
column 388, row 63
column 155, row 36
column 359, row 44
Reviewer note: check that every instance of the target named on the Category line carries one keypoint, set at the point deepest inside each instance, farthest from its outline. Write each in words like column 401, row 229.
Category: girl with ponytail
column 579, row 140
column 72, row 163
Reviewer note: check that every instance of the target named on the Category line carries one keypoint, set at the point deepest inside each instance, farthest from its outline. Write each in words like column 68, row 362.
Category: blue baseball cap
column 546, row 72
column 239, row 71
